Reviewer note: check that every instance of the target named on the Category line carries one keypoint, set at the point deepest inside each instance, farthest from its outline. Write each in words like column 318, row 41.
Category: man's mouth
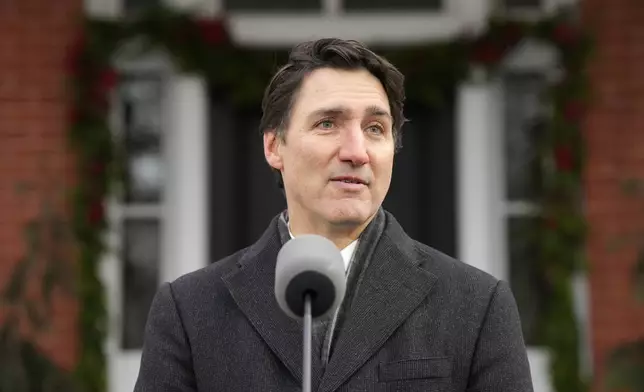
column 349, row 180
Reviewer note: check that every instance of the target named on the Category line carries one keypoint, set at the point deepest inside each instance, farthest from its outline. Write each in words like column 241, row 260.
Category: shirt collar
column 347, row 252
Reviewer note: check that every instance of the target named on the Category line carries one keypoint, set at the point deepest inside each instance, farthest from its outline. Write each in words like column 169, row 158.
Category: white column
column 481, row 221
column 479, row 156
column 186, row 228
column 203, row 8
column 102, row 9
column 472, row 14
column 331, row 7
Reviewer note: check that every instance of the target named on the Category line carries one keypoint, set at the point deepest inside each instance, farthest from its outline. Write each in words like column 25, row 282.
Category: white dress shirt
column 347, row 252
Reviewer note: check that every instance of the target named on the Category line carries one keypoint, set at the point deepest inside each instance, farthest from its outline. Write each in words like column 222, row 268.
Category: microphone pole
column 306, row 357
column 309, row 272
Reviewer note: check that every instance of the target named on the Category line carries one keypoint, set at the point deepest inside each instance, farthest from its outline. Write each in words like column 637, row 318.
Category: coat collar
column 393, row 286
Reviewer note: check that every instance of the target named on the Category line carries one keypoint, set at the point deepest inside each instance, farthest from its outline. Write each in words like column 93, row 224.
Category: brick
column 34, row 35
column 614, row 140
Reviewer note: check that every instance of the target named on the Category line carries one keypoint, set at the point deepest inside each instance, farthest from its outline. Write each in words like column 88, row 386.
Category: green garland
column 203, row 46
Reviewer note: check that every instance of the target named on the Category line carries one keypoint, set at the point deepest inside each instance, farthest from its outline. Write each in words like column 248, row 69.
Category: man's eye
column 376, row 129
column 326, row 124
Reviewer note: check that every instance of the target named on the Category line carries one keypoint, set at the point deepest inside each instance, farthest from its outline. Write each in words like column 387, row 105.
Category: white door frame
column 183, row 210
column 481, row 205
column 122, row 363
column 483, row 209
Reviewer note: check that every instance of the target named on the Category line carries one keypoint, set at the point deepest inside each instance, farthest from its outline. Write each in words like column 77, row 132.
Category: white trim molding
column 539, row 359
column 123, row 365
column 257, row 29
column 480, row 223
column 379, row 28
column 183, row 212
column 270, row 29
column 481, row 209
column 186, row 246
column 262, row 31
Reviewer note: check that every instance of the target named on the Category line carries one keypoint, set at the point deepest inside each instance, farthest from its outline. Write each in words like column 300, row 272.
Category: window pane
column 144, row 177
column 393, row 5
column 522, row 118
column 133, row 6
column 522, row 3
column 527, row 287
column 141, row 253
column 272, row 5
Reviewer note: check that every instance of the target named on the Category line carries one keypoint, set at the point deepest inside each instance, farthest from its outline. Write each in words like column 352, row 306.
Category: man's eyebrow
column 339, row 110
column 378, row 111
column 329, row 112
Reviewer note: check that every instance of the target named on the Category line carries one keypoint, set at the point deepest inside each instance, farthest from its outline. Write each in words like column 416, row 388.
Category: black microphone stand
column 306, row 357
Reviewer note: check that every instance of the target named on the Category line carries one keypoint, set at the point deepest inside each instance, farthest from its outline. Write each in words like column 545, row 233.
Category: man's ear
column 272, row 151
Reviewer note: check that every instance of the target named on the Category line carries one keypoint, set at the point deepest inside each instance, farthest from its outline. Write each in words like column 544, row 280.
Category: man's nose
column 353, row 146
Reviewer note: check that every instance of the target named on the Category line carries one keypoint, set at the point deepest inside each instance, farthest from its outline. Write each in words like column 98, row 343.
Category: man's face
column 337, row 156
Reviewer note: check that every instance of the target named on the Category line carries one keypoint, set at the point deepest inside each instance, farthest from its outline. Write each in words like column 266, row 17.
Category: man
column 413, row 319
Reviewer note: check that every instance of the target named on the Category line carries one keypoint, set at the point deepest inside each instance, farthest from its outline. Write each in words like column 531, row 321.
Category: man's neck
column 340, row 235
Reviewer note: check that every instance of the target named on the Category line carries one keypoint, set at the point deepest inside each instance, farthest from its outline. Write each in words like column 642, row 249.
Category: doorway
column 245, row 195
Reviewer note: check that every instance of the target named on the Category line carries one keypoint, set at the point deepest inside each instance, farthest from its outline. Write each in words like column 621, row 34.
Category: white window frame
column 483, row 207
column 538, row 58
column 121, row 362
column 274, row 29
column 182, row 212
column 547, row 7
column 541, row 58
column 404, row 27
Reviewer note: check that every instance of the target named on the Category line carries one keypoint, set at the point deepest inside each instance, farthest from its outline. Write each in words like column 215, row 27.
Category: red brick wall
column 615, row 141
column 34, row 35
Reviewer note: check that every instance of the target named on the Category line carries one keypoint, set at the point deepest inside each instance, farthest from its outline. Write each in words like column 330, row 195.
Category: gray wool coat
column 421, row 321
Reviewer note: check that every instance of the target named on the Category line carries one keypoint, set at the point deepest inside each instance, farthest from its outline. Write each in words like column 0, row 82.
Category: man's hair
column 281, row 92
column 304, row 58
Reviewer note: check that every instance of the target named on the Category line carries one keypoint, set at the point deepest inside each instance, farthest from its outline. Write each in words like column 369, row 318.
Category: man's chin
column 349, row 215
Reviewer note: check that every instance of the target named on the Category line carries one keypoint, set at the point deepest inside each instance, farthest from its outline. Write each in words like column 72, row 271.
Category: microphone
column 309, row 284
column 309, row 264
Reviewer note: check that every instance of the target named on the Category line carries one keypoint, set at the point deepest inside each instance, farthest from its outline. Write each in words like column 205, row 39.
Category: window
column 273, row 5
column 530, row 10
column 142, row 197
column 134, row 6
column 536, row 4
column 140, row 276
column 523, row 109
column 289, row 6
column 142, row 141
column 393, row 5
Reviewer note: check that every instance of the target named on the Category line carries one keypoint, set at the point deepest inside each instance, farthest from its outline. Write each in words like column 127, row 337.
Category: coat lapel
column 393, row 286
column 252, row 288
